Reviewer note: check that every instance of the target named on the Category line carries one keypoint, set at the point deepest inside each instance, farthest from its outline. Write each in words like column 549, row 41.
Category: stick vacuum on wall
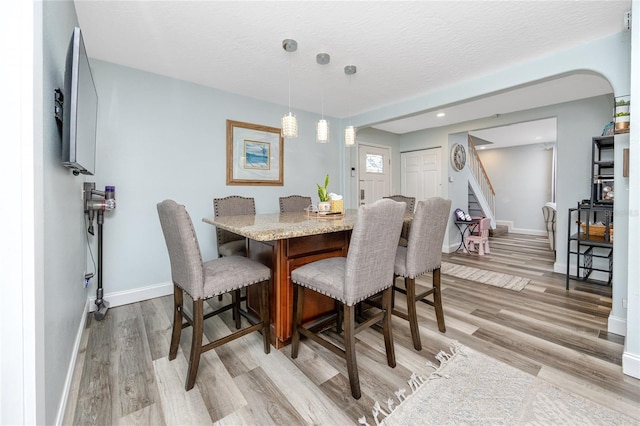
column 103, row 201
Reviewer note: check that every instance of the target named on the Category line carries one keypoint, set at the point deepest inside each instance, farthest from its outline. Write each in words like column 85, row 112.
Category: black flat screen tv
column 80, row 110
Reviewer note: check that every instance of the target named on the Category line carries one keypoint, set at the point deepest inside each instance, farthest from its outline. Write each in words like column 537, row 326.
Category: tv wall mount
column 58, row 106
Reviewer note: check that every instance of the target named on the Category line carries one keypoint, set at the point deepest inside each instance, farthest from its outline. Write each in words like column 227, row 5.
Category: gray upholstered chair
column 549, row 215
column 230, row 244
column 410, row 202
column 294, row 203
column 203, row 280
column 367, row 270
column 423, row 254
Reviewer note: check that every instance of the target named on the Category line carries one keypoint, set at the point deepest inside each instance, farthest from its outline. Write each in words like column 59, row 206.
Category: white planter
column 324, row 206
column 624, row 108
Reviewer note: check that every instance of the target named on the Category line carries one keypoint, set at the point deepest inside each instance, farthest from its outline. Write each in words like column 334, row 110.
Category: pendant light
column 350, row 131
column 289, row 121
column 322, row 128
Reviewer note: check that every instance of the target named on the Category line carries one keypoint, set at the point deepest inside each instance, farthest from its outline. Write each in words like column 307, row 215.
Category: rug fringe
column 415, row 382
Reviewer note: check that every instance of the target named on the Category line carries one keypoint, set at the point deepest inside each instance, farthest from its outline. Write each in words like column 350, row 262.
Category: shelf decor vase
column 622, row 116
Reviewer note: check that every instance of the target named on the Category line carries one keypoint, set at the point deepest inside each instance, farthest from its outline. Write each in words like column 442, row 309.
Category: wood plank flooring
column 123, row 376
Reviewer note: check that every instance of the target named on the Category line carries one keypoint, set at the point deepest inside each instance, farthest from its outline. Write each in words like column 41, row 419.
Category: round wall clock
column 458, row 156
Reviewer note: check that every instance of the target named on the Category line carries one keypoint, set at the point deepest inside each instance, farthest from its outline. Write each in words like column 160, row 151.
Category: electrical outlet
column 624, row 303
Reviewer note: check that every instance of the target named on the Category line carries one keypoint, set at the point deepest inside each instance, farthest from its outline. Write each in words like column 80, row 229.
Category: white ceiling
column 402, row 48
column 526, row 133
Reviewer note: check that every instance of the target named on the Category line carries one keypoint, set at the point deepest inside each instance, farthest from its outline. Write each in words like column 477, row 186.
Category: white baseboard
column 617, row 325
column 631, row 364
column 115, row 299
column 511, row 228
column 535, row 232
column 507, row 223
column 120, row 298
column 560, row 268
column 72, row 365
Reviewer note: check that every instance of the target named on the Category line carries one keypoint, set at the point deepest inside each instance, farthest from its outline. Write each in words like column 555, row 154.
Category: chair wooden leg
column 177, row 322
column 386, row 327
column 486, row 247
column 264, row 313
column 339, row 314
column 410, row 284
column 437, row 300
column 350, row 350
column 235, row 299
column 393, row 293
column 196, row 343
column 298, row 299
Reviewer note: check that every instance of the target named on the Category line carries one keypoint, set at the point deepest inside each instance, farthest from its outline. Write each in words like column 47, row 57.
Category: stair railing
column 478, row 171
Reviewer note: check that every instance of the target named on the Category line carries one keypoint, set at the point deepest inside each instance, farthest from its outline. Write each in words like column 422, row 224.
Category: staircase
column 481, row 196
column 474, row 208
column 499, row 231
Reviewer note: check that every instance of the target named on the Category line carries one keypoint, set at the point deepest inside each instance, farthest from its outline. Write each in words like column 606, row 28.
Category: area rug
column 497, row 279
column 470, row 388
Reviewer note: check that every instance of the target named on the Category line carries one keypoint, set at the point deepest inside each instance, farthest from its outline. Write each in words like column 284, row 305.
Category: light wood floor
column 123, row 375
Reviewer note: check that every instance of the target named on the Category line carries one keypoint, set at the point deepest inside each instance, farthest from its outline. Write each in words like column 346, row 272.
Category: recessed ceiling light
column 482, row 147
column 538, row 137
column 440, row 114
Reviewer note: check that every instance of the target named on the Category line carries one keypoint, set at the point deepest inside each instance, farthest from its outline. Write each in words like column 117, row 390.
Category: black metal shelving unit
column 585, row 247
column 602, row 163
column 591, row 246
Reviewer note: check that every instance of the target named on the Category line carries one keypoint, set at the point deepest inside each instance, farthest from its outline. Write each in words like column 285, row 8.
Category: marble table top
column 278, row 226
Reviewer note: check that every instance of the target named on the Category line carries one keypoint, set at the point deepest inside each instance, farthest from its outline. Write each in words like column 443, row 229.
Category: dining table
column 285, row 241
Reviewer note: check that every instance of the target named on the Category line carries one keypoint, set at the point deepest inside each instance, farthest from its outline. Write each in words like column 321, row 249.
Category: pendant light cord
column 289, row 60
column 350, row 100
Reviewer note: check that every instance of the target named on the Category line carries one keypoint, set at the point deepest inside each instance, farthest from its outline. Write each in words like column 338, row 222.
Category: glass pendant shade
column 322, row 131
column 289, row 126
column 349, row 136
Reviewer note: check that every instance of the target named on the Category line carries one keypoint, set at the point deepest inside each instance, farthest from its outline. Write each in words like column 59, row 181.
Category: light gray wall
column 64, row 243
column 577, row 122
column 162, row 138
column 521, row 178
column 631, row 356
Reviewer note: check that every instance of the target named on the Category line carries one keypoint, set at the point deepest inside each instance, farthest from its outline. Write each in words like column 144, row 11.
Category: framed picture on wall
column 254, row 154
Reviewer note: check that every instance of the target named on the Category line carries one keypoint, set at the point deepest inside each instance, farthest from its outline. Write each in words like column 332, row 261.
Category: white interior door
column 374, row 173
column 420, row 174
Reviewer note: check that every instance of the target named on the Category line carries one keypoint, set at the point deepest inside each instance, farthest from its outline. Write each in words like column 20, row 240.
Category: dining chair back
column 230, row 244
column 409, row 201
column 294, row 203
column 406, row 226
column 203, row 280
column 423, row 254
column 366, row 271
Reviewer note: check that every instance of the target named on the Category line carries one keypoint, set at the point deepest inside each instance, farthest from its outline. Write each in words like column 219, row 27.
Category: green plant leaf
column 322, row 190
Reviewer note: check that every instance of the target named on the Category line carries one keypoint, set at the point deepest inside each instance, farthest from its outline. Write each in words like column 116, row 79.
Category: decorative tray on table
column 325, row 215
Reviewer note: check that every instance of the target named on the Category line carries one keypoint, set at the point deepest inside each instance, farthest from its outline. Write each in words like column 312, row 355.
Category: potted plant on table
column 324, row 205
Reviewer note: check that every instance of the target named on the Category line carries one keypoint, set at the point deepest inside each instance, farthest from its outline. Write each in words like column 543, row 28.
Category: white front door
column 374, row 173
column 420, row 174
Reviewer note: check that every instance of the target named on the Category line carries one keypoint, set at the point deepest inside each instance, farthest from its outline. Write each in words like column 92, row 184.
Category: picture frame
column 254, row 154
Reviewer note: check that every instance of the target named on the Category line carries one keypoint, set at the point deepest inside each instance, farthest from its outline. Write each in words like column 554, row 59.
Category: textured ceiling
column 402, row 48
